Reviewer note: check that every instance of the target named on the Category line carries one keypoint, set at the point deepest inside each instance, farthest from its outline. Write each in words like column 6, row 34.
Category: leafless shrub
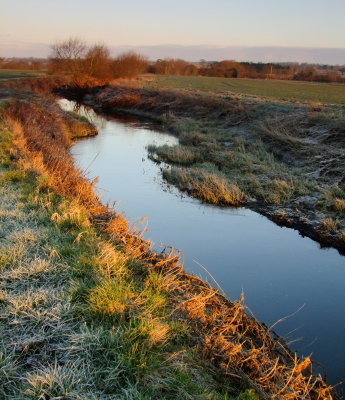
column 88, row 66
column 128, row 65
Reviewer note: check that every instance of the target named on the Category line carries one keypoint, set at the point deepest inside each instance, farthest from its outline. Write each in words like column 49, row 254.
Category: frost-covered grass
column 79, row 318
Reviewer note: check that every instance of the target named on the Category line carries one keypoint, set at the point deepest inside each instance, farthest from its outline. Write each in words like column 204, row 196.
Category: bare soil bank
column 288, row 161
column 232, row 345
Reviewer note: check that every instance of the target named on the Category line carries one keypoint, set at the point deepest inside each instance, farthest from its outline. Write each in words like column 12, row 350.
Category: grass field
column 281, row 90
column 6, row 74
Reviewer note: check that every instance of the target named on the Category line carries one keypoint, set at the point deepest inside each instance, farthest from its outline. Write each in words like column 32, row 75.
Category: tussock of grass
column 334, row 199
column 207, row 187
column 329, row 224
column 332, row 120
column 279, row 191
column 173, row 154
column 279, row 136
column 77, row 116
column 339, row 205
column 112, row 298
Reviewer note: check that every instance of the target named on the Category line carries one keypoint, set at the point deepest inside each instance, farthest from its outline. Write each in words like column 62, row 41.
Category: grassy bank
column 80, row 319
column 83, row 318
column 327, row 93
column 90, row 311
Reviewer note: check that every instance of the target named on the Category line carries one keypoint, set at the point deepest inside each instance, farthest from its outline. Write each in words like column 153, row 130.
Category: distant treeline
column 233, row 69
column 33, row 64
column 87, row 64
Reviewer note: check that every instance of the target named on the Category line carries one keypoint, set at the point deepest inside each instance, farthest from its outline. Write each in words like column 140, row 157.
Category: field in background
column 6, row 74
column 281, row 90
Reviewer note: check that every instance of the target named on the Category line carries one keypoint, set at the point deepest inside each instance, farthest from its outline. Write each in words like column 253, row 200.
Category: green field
column 6, row 74
column 280, row 90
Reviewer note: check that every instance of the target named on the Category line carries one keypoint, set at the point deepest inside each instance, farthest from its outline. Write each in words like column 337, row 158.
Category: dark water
column 280, row 273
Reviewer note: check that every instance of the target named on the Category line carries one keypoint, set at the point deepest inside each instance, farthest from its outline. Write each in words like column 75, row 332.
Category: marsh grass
column 210, row 188
column 229, row 174
column 173, row 154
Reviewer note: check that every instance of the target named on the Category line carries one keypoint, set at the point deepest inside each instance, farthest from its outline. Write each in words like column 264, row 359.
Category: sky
column 208, row 29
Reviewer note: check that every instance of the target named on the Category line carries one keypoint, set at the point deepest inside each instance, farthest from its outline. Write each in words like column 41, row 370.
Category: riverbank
column 285, row 161
column 136, row 285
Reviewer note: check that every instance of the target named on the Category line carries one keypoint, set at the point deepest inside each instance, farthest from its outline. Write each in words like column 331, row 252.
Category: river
column 284, row 276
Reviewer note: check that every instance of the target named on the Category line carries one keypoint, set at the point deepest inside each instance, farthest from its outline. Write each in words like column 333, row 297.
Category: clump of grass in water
column 173, row 154
column 207, row 187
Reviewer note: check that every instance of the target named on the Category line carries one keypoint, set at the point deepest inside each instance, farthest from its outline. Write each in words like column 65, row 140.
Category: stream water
column 283, row 275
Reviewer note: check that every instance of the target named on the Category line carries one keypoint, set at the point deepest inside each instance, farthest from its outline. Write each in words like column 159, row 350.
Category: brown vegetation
column 87, row 66
column 171, row 66
column 128, row 65
column 43, row 135
column 234, row 69
column 209, row 188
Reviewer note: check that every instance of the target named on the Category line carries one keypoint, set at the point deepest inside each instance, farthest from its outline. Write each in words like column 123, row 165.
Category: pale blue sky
column 288, row 23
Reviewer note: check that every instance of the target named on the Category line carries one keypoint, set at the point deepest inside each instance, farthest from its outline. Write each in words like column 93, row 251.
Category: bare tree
column 68, row 56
